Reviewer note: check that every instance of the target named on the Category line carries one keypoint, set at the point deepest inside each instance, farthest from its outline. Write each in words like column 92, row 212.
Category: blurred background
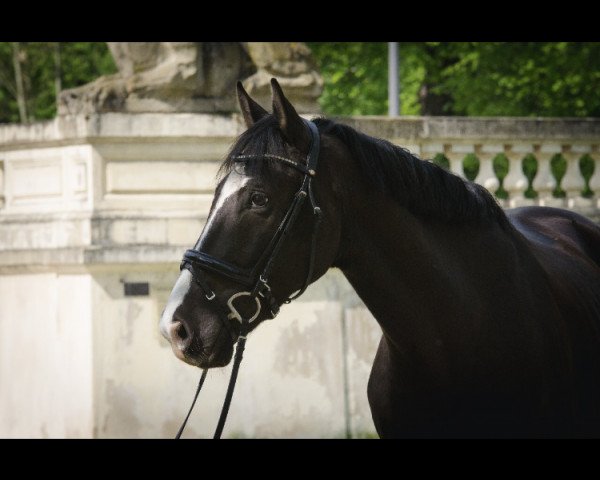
column 544, row 79
column 108, row 161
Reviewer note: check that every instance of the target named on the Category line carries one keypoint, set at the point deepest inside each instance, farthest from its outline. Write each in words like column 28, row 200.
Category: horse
column 490, row 319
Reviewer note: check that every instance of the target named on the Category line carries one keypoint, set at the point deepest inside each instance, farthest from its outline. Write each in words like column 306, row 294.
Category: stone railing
column 523, row 161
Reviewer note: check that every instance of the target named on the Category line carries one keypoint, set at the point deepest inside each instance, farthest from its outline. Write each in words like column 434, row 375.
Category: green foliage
column 457, row 78
column 81, row 62
column 355, row 76
column 464, row 78
column 500, row 166
column 441, row 160
column 7, row 97
column 530, row 167
column 587, row 165
column 524, row 79
column 471, row 166
column 558, row 166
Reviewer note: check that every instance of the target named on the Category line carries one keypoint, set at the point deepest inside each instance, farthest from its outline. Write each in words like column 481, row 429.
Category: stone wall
column 89, row 203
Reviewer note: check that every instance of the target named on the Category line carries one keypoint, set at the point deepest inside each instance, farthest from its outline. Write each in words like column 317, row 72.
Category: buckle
column 264, row 288
column 235, row 314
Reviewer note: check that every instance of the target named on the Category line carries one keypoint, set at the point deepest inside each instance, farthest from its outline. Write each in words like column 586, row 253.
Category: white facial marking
column 182, row 286
column 233, row 184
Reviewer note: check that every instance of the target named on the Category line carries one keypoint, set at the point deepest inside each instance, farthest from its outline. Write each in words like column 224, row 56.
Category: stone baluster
column 456, row 153
column 429, row 150
column 573, row 183
column 486, row 176
column 544, row 182
column 516, row 182
column 413, row 148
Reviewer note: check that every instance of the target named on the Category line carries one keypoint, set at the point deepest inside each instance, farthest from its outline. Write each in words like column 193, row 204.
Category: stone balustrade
column 557, row 175
column 523, row 161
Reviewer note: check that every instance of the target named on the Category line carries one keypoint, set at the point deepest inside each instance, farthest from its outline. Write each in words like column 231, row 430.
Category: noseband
column 255, row 281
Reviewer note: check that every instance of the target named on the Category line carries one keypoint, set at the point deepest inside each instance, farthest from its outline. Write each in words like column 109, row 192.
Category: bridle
column 256, row 280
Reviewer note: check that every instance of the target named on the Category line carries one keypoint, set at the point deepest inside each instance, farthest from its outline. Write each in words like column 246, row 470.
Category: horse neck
column 413, row 273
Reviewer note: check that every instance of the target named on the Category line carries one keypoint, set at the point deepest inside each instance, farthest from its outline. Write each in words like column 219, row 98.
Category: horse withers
column 490, row 320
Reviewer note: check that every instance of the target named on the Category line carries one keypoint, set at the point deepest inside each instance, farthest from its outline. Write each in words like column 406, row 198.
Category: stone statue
column 196, row 77
column 293, row 66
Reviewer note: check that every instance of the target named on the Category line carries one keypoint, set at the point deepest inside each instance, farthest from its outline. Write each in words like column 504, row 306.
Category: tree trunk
column 19, row 82
column 436, row 61
column 57, row 72
column 433, row 103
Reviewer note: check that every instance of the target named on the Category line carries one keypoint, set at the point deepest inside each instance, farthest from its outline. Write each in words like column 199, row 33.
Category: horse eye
column 259, row 199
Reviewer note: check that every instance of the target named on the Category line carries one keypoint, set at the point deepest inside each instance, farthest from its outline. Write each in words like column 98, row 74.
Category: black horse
column 491, row 320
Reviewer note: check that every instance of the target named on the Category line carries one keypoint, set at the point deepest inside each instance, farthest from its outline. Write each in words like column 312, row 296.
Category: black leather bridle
column 256, row 280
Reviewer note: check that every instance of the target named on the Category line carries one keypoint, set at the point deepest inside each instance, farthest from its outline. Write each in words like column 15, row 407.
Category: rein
column 256, row 279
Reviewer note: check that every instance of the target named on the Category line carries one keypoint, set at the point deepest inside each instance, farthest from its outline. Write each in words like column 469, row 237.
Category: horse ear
column 291, row 125
column 251, row 110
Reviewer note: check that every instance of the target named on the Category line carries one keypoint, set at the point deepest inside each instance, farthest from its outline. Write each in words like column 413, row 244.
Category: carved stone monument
column 293, row 66
column 196, row 77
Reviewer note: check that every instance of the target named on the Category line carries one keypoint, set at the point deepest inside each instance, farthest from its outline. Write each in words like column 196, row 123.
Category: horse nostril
column 184, row 341
column 181, row 332
column 181, row 335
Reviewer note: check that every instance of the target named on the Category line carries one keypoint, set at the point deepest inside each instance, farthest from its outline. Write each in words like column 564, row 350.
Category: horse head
column 272, row 229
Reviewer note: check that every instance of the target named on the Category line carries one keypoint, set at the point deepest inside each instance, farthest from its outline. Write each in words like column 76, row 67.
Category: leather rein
column 256, row 280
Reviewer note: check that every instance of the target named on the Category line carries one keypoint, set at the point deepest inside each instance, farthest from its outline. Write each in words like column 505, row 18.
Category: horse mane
column 424, row 188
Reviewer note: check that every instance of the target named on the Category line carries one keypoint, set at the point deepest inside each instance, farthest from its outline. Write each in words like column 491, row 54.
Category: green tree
column 353, row 74
column 355, row 77
column 459, row 78
column 80, row 63
column 524, row 79
column 464, row 78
